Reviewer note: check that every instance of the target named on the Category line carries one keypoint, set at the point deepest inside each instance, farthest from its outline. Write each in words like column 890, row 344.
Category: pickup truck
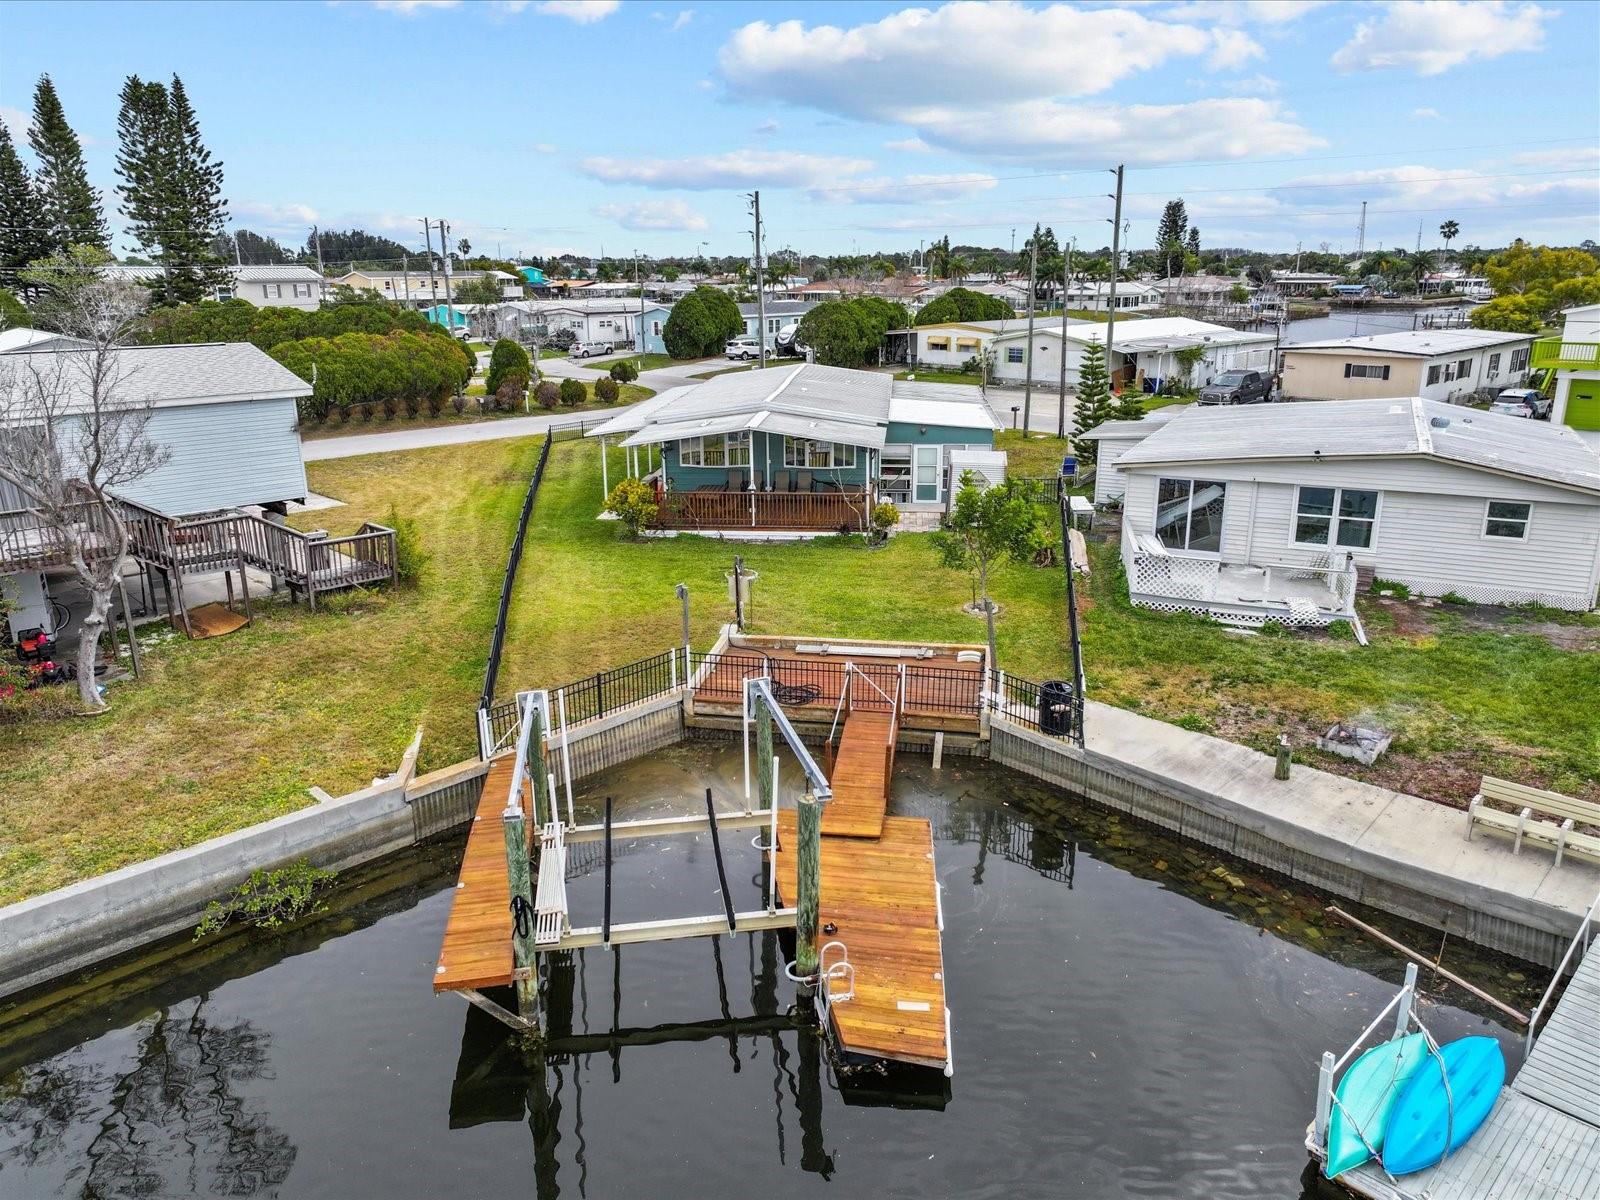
column 1237, row 387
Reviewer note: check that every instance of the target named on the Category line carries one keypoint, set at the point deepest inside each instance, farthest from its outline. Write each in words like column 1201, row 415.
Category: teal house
column 442, row 314
column 802, row 448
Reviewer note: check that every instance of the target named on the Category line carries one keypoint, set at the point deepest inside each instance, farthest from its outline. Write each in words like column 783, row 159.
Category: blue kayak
column 1366, row 1095
column 1428, row 1123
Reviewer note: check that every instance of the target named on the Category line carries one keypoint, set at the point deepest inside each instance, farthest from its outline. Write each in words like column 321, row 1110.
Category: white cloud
column 1431, row 36
column 410, row 8
column 767, row 128
column 1250, row 85
column 1426, row 114
column 275, row 214
column 1243, row 12
column 542, row 148
column 736, row 168
column 654, row 215
column 910, row 145
column 908, row 189
column 1564, row 157
column 682, row 19
column 16, row 121
column 987, row 80
column 584, row 12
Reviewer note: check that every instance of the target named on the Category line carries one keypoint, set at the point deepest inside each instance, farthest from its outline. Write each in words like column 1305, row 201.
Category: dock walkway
column 476, row 952
column 1542, row 1138
column 860, row 777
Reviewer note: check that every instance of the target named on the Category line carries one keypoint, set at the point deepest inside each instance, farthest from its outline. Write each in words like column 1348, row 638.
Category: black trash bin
column 1055, row 707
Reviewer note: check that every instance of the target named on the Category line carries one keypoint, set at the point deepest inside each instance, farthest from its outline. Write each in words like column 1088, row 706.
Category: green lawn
column 227, row 732
column 645, row 362
column 940, row 377
column 771, row 363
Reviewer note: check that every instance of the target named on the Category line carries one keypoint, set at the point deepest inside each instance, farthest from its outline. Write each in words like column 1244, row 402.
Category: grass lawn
column 750, row 366
column 645, row 362
column 478, row 347
column 231, row 731
column 940, row 377
column 632, row 393
column 1032, row 454
column 1151, row 403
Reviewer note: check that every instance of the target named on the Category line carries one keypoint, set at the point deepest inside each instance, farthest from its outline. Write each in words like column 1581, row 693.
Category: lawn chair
column 735, row 480
column 755, row 478
column 780, row 481
column 802, row 481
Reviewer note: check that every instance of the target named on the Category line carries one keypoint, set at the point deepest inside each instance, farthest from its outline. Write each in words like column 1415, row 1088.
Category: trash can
column 1069, row 465
column 1055, row 707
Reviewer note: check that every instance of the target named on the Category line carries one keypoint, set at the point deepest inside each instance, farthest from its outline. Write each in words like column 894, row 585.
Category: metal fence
column 606, row 691
column 497, row 640
column 1054, row 708
column 947, row 691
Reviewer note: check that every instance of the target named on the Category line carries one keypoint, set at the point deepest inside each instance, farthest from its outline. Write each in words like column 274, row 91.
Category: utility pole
column 444, row 249
column 1027, row 386
column 761, row 294
column 316, row 233
column 1361, row 233
column 1066, row 285
column 433, row 287
column 1297, row 258
column 238, row 258
column 405, row 274
column 1419, row 238
column 639, row 344
column 1116, row 269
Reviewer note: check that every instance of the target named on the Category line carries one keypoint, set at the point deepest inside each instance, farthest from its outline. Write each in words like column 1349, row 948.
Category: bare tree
column 74, row 429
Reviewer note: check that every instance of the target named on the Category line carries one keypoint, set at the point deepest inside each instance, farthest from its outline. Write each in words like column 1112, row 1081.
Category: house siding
column 764, row 449
column 1109, row 482
column 1429, row 532
column 1308, row 376
column 223, row 456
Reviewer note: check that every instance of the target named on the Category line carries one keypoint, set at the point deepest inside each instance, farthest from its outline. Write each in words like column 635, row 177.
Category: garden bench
column 1542, row 816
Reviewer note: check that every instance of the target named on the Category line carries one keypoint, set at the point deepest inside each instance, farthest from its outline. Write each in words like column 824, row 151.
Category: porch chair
column 755, row 478
column 802, row 481
column 735, row 480
column 780, row 481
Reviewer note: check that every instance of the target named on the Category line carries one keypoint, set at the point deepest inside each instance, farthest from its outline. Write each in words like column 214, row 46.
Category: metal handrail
column 1561, row 971
column 519, row 768
column 838, row 708
column 850, row 667
column 1403, row 999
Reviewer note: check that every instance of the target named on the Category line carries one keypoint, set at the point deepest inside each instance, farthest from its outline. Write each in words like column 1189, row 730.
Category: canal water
column 1133, row 1016
column 1352, row 322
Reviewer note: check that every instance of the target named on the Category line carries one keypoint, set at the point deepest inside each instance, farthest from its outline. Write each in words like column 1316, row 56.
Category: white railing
column 1584, row 935
column 1184, row 577
column 1330, row 1066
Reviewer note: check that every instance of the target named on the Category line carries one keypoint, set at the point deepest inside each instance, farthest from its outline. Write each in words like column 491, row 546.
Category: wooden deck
column 882, row 896
column 860, row 778
column 477, row 938
column 1542, row 1139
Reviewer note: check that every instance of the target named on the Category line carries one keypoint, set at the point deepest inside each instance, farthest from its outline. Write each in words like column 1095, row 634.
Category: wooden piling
column 1281, row 770
column 764, row 761
column 522, row 934
column 543, row 802
column 808, row 882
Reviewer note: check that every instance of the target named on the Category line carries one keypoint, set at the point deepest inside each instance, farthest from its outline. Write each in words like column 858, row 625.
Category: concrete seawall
column 1392, row 851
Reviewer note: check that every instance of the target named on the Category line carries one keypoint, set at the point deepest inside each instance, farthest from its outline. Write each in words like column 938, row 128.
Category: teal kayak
column 1366, row 1095
column 1429, row 1121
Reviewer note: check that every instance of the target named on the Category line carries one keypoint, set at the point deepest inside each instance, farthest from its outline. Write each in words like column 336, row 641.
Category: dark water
column 1133, row 1017
column 1349, row 322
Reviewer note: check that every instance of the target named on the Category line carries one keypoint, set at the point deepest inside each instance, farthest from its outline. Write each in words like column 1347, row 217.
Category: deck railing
column 1183, row 577
column 1558, row 352
column 1054, row 708
column 848, row 510
column 1585, row 934
column 823, row 682
column 28, row 543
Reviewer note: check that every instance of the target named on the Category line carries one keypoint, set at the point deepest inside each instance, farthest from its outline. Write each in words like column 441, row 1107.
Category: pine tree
column 1170, row 233
column 199, row 209
column 1193, row 244
column 71, row 205
column 23, row 233
column 1093, row 405
column 143, row 162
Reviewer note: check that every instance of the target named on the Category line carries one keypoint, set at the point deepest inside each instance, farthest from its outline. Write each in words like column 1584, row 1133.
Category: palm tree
column 957, row 268
column 1420, row 263
column 1449, row 231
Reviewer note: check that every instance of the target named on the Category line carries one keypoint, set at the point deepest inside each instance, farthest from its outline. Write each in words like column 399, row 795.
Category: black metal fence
column 497, row 641
column 606, row 691
column 948, row 691
column 1053, row 707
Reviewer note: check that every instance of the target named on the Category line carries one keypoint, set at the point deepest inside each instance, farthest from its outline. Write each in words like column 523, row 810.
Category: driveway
column 443, row 435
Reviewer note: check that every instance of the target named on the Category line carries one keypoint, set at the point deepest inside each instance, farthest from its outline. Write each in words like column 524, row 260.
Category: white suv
column 589, row 349
column 744, row 348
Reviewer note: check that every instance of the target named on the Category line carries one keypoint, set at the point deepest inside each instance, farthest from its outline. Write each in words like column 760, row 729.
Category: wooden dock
column 1542, row 1138
column 879, row 893
column 476, row 952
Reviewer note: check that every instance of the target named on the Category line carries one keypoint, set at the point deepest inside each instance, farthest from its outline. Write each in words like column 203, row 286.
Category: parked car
column 1237, row 387
column 744, row 348
column 590, row 349
column 1511, row 408
column 1538, row 406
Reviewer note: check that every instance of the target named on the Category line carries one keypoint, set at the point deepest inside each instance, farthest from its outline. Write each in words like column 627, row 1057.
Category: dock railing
column 1023, row 702
column 1584, row 936
column 1330, row 1067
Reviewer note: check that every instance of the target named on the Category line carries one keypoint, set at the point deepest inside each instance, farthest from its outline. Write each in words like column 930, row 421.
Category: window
column 655, row 328
column 1366, row 371
column 938, row 343
column 1507, row 519
column 966, row 343
column 805, row 452
column 224, row 293
column 1494, row 365
column 1189, row 514
column 1464, row 369
column 1013, row 354
column 1335, row 516
column 726, row 450
column 772, row 324
column 1519, row 360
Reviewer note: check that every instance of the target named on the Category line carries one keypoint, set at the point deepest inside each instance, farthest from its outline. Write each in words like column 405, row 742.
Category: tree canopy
column 366, row 368
column 701, row 323
column 508, row 361
column 241, row 321
column 845, row 333
column 70, row 203
column 963, row 304
column 1534, row 284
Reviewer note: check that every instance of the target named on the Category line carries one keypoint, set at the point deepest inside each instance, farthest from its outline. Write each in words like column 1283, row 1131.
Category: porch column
column 605, row 478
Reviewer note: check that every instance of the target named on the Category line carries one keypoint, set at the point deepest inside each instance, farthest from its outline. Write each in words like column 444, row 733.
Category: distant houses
column 417, row 289
column 287, row 286
column 1575, row 359
column 1436, row 364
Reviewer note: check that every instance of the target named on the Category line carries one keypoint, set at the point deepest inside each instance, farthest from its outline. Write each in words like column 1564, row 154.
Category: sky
column 593, row 126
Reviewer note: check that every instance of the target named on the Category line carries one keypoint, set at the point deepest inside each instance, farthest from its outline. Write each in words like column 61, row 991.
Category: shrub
column 459, row 403
column 511, row 392
column 623, row 371
column 1341, row 631
column 365, row 368
column 1381, row 586
column 410, row 559
column 573, row 393
column 547, row 394
column 508, row 360
column 269, row 898
column 607, row 389
column 885, row 517
column 1454, row 598
column 701, row 323
column 633, row 502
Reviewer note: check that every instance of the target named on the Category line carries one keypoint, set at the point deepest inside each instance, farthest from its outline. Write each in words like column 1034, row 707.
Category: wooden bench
column 1537, row 816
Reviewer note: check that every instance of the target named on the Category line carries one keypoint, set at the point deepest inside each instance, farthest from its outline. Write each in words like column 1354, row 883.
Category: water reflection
column 172, row 1122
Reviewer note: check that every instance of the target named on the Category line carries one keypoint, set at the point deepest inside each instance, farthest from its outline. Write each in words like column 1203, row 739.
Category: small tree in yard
column 573, row 393
column 633, row 502
column 1188, row 359
column 1093, row 405
column 624, row 371
column 507, row 361
column 410, row 559
column 510, row 394
column 607, row 389
column 984, row 527
column 547, row 394
column 74, row 430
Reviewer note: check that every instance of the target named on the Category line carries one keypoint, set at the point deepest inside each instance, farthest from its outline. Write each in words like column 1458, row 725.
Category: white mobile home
column 1436, row 364
column 1269, row 513
column 1141, row 350
column 1575, row 358
column 1113, row 439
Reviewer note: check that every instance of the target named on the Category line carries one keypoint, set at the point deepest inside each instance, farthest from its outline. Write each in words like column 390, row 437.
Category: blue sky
column 573, row 125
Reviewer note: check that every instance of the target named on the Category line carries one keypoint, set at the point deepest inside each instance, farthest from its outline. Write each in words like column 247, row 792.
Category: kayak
column 1366, row 1095
column 1427, row 1122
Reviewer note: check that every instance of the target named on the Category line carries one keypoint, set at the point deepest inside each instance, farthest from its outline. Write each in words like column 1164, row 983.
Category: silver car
column 590, row 349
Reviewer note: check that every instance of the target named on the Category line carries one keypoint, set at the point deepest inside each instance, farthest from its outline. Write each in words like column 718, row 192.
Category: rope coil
column 522, row 916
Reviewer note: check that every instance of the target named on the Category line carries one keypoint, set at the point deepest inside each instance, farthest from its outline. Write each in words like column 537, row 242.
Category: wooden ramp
column 882, row 897
column 477, row 938
column 213, row 620
column 860, row 777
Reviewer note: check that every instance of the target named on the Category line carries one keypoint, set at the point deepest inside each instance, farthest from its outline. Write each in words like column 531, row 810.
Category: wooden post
column 522, row 944
column 808, row 871
column 542, row 800
column 127, row 620
column 764, row 760
column 1281, row 771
